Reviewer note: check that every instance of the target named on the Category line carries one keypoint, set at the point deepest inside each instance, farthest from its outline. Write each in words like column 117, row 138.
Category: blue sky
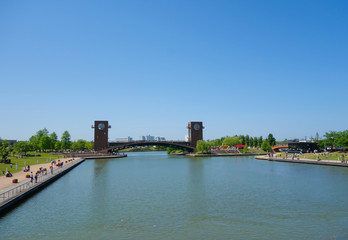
column 150, row 67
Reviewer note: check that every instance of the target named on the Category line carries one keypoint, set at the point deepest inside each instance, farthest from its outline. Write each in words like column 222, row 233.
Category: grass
column 330, row 156
column 25, row 161
column 256, row 150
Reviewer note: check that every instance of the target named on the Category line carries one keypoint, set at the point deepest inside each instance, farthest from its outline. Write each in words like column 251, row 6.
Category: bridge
column 276, row 148
column 116, row 146
column 101, row 143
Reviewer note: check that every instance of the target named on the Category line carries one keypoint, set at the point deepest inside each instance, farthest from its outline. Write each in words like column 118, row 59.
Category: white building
column 126, row 139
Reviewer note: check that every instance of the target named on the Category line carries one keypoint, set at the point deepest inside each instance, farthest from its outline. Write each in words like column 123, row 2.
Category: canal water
column 155, row 196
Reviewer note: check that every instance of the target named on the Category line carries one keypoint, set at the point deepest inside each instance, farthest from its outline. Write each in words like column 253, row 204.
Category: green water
column 155, row 196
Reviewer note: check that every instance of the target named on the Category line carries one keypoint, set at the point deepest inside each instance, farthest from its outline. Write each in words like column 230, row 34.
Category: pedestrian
column 36, row 176
column 31, row 177
column 11, row 165
column 51, row 170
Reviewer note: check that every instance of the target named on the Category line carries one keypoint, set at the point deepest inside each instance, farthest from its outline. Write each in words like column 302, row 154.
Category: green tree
column 242, row 138
column 45, row 143
column 35, row 139
column 58, row 146
column 271, row 140
column 65, row 140
column 245, row 150
column 89, row 145
column 5, row 143
column 203, row 146
column 266, row 146
column 260, row 141
column 22, row 147
column 215, row 142
column 232, row 141
column 247, row 140
column 79, row 145
column 256, row 141
column 4, row 149
column 251, row 141
column 54, row 139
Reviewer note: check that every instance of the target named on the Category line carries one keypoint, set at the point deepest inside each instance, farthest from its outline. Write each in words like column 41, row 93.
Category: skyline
column 250, row 67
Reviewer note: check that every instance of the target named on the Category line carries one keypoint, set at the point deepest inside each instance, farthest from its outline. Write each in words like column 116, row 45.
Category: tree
column 203, row 146
column 5, row 143
column 256, row 142
column 45, row 143
column 271, row 140
column 89, row 145
column 65, row 140
column 58, row 146
column 22, row 147
column 260, row 141
column 79, row 145
column 247, row 140
column 266, row 146
column 54, row 139
column 232, row 141
column 35, row 139
column 242, row 138
column 34, row 142
column 251, row 141
column 4, row 149
column 215, row 142
column 245, row 150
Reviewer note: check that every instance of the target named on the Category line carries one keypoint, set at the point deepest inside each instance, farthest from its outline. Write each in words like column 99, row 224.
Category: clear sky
column 150, row 67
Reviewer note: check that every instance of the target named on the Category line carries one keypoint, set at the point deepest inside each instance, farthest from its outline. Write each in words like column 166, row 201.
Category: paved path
column 21, row 176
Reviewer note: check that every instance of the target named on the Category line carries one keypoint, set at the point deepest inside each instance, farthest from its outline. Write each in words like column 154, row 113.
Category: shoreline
column 224, row 154
column 304, row 161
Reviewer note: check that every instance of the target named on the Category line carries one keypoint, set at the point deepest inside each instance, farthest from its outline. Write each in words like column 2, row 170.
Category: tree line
column 334, row 138
column 248, row 141
column 44, row 141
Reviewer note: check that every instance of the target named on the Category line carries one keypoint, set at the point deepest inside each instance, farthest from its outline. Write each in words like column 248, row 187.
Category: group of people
column 26, row 169
column 32, row 177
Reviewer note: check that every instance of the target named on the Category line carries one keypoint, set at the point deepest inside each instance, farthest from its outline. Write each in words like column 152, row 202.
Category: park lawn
column 25, row 161
column 256, row 150
column 331, row 156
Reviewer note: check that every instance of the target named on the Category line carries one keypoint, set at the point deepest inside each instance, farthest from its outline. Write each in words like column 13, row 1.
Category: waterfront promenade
column 11, row 193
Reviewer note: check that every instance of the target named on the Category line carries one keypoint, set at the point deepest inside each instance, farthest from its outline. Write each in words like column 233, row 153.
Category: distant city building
column 126, row 139
column 160, row 138
column 11, row 142
column 151, row 138
column 187, row 139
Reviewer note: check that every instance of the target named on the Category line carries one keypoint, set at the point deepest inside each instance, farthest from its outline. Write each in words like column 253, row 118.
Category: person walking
column 36, row 176
column 31, row 177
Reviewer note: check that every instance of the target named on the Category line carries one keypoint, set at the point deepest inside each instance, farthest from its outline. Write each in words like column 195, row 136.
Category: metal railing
column 27, row 185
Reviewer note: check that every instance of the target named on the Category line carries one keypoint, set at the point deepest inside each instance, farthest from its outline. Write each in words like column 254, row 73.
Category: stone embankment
column 304, row 161
column 224, row 154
